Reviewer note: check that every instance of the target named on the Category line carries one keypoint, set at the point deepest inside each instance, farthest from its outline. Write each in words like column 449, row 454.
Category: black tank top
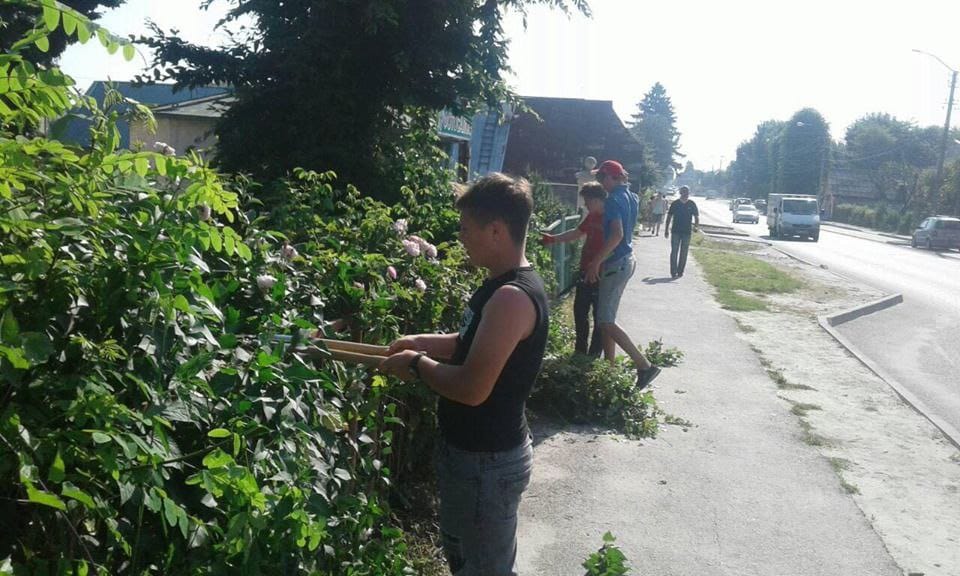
column 500, row 422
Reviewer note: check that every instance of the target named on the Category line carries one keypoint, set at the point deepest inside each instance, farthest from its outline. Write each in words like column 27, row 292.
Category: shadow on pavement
column 664, row 280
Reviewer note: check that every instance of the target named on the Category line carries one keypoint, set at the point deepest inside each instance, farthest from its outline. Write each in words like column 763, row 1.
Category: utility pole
column 938, row 183
column 946, row 137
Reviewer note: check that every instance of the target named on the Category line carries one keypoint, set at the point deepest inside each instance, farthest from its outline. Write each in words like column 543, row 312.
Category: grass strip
column 737, row 276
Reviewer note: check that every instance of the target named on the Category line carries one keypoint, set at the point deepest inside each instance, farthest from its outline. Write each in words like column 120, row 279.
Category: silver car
column 937, row 232
column 746, row 213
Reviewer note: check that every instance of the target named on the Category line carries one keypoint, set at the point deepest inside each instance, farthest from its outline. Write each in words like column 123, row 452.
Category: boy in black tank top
column 483, row 375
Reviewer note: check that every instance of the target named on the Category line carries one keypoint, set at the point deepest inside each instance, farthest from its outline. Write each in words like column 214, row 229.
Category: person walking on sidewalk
column 587, row 294
column 484, row 453
column 683, row 213
column 657, row 211
column 614, row 265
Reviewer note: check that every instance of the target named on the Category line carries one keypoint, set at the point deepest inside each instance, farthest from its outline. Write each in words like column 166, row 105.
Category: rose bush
column 150, row 423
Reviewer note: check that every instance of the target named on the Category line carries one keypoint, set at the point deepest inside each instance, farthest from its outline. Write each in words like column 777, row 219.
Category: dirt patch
column 901, row 471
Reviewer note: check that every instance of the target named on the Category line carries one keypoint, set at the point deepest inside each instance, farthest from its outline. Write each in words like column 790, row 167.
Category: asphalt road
column 916, row 342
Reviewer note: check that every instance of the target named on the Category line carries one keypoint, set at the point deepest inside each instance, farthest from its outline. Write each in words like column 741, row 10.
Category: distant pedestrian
column 658, row 209
column 686, row 219
column 587, row 294
column 614, row 265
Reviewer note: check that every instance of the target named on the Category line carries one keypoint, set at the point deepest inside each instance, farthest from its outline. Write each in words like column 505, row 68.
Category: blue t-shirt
column 621, row 204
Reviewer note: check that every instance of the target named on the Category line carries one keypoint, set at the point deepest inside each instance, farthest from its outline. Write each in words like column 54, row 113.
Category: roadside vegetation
column 580, row 389
column 741, row 280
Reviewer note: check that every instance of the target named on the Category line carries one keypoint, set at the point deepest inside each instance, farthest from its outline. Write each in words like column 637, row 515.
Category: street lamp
column 946, row 125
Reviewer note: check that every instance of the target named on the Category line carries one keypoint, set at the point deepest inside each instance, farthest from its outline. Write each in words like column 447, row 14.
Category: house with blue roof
column 159, row 97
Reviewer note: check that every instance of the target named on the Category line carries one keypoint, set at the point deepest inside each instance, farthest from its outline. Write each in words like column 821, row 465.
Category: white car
column 746, row 213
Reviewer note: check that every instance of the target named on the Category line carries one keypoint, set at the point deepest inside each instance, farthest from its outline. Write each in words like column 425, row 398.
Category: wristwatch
column 414, row 363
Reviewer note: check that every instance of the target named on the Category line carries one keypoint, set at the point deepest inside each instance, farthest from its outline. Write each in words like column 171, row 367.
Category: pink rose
column 412, row 248
column 400, row 226
column 421, row 285
column 288, row 252
column 430, row 251
column 391, row 273
column 265, row 282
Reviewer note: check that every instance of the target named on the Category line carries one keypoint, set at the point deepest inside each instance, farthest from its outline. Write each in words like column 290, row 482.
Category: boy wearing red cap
column 614, row 265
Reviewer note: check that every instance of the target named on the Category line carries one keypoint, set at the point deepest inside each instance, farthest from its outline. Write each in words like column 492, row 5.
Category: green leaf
column 57, row 470
column 244, row 251
column 82, row 568
column 36, row 347
column 83, row 33
column 218, row 433
column 141, row 165
column 9, row 328
column 69, row 22
column 181, row 304
column 129, row 51
column 15, row 357
column 71, row 491
column 45, row 498
column 100, row 438
column 217, row 459
column 170, row 511
column 43, row 44
column 51, row 17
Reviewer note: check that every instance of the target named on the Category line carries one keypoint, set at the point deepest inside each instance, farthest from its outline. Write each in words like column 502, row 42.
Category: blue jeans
column 479, row 496
column 679, row 244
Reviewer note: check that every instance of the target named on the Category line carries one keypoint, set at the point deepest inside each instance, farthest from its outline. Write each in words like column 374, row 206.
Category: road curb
column 893, row 240
column 857, row 312
column 829, row 322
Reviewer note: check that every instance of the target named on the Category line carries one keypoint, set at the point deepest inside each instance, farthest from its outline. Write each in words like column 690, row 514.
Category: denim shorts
column 613, row 279
column 479, row 496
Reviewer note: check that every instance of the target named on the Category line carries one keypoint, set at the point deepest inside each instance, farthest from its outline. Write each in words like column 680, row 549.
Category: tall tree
column 17, row 20
column 891, row 153
column 655, row 123
column 347, row 86
column 755, row 168
column 803, row 149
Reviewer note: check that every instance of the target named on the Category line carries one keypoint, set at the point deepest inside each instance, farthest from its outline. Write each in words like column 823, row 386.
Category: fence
column 565, row 255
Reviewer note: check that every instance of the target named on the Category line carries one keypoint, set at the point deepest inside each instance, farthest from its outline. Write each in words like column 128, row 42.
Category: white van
column 793, row 215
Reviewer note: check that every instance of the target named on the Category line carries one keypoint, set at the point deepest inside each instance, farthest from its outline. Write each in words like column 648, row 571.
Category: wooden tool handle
column 356, row 347
column 356, row 358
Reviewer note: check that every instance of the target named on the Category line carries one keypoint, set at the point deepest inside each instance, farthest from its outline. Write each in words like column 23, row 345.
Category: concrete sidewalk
column 738, row 493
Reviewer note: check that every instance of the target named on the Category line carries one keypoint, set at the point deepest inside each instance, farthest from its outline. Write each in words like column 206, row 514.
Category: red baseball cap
column 611, row 168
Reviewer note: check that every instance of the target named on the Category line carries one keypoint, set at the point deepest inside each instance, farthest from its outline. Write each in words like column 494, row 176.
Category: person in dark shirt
column 683, row 213
column 587, row 295
column 483, row 375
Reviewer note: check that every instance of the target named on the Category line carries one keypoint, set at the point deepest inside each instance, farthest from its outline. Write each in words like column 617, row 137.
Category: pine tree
column 655, row 123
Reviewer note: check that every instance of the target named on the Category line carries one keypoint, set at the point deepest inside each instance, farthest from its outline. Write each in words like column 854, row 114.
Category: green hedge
column 882, row 217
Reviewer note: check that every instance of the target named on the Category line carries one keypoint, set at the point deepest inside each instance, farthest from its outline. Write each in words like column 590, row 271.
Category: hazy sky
column 727, row 66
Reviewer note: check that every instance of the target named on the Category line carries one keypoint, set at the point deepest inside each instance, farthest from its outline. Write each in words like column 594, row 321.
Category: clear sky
column 727, row 65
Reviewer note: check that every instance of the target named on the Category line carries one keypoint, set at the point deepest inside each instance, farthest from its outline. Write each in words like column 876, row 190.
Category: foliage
column 804, row 152
column 313, row 74
column 753, row 171
column 583, row 389
column 608, row 560
column 18, row 19
column 655, row 124
column 149, row 421
column 881, row 217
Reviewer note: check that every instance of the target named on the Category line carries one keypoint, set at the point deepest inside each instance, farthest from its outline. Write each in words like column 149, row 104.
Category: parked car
column 746, row 213
column 937, row 232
